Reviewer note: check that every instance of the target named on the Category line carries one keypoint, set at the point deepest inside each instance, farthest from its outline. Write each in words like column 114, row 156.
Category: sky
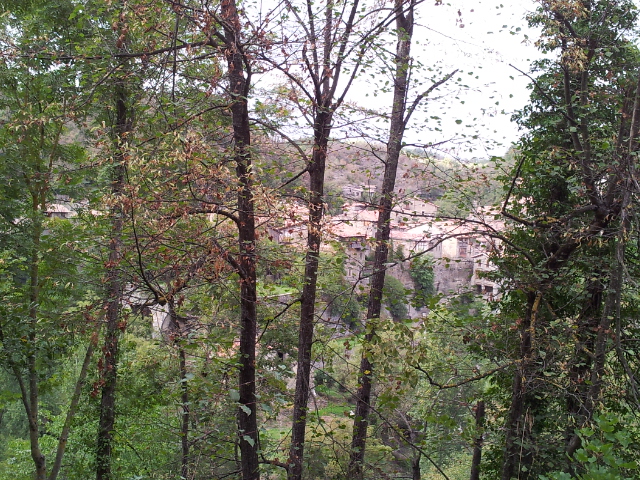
column 481, row 37
column 470, row 117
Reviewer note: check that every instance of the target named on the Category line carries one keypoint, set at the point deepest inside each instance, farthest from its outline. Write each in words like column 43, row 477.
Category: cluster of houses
column 460, row 248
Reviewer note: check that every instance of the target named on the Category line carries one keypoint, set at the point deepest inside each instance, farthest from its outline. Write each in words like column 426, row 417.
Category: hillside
column 453, row 185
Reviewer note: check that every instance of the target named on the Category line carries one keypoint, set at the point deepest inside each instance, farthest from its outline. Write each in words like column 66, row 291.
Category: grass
column 334, row 410
column 273, row 290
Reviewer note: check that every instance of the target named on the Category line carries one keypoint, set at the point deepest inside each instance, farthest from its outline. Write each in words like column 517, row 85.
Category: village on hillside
column 460, row 248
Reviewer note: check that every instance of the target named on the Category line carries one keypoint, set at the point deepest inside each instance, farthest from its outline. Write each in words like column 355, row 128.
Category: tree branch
column 444, row 386
column 424, row 94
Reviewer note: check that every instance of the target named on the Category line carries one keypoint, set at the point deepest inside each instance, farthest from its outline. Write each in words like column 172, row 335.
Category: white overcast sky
column 478, row 36
column 485, row 45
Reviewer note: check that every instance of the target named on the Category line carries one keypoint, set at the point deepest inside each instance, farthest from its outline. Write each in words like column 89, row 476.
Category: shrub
column 423, row 276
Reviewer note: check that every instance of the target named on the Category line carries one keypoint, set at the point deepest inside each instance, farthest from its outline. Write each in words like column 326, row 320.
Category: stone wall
column 452, row 276
column 449, row 276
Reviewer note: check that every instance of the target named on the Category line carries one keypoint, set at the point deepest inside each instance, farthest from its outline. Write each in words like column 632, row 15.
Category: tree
column 330, row 42
column 239, row 67
column 36, row 162
column 120, row 130
column 566, row 253
column 401, row 112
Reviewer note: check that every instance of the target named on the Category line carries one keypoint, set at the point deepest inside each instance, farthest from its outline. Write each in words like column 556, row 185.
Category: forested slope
column 151, row 326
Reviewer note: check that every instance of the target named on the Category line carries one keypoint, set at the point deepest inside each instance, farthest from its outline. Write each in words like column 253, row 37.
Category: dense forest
column 217, row 263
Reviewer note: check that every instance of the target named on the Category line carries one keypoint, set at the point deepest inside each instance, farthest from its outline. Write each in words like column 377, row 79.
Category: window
column 463, row 247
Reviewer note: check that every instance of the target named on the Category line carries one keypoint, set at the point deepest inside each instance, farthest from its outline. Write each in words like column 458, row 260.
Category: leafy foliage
column 555, row 357
column 608, row 452
column 423, row 277
column 395, row 298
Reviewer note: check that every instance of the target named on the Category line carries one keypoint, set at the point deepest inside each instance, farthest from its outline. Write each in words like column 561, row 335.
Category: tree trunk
column 38, row 187
column 109, row 360
column 517, row 430
column 238, row 65
column 307, row 310
column 415, row 467
column 577, row 398
column 184, row 428
column 115, row 288
column 325, row 76
column 477, row 444
column 179, row 333
column 404, row 28
column 75, row 399
column 38, row 209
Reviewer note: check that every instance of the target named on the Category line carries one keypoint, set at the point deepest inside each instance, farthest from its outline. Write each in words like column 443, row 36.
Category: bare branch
column 444, row 386
column 424, row 94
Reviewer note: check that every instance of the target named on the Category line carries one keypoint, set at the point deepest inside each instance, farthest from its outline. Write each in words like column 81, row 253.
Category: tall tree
column 401, row 112
column 221, row 27
column 328, row 42
column 571, row 222
column 121, row 127
column 239, row 70
column 38, row 104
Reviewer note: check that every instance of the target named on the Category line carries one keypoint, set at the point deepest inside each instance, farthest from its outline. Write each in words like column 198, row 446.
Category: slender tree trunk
column 517, row 430
column 477, row 444
column 518, row 443
column 109, row 360
column 238, row 66
column 578, row 391
column 108, row 378
column 321, row 131
column 307, row 311
column 184, row 400
column 404, row 27
column 325, row 75
column 38, row 209
column 179, row 333
column 75, row 399
column 38, row 186
column 415, row 467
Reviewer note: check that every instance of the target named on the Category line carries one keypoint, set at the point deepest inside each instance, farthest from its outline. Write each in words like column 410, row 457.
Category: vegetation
column 395, row 298
column 423, row 276
column 174, row 301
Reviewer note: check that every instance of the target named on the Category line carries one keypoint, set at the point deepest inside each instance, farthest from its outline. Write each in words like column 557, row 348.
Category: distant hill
column 423, row 174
